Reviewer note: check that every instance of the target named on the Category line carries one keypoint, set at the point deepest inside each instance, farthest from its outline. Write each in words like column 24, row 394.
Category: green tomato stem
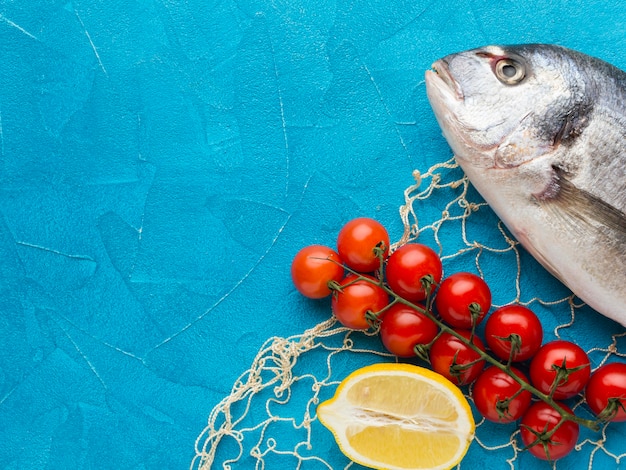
column 428, row 283
column 588, row 423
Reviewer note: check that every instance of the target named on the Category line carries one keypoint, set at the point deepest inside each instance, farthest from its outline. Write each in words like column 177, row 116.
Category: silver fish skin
column 540, row 131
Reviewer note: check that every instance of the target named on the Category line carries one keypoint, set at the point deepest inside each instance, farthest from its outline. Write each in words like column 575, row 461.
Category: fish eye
column 509, row 71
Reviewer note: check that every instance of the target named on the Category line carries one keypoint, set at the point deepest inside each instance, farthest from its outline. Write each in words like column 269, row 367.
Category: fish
column 540, row 132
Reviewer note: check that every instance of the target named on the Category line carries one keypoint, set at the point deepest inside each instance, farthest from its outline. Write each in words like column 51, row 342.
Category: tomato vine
column 435, row 319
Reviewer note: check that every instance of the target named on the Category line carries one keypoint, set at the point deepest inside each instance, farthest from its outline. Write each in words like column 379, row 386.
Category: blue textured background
column 160, row 163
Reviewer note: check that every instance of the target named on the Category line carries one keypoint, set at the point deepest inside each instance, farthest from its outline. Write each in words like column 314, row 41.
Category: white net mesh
column 268, row 420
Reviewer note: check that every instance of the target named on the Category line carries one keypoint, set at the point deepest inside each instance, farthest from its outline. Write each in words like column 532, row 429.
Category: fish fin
column 582, row 208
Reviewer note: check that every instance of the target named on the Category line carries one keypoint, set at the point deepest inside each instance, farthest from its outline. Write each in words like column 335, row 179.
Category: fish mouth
column 441, row 70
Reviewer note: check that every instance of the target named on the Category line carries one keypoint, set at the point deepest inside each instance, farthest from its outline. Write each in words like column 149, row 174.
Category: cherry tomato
column 313, row 268
column 459, row 295
column 497, row 396
column 557, row 358
column 607, row 386
column 404, row 327
column 408, row 265
column 539, row 420
column 455, row 360
column 357, row 241
column 513, row 321
column 355, row 299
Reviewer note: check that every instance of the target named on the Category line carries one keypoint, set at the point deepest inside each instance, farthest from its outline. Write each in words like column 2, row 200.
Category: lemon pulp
column 399, row 417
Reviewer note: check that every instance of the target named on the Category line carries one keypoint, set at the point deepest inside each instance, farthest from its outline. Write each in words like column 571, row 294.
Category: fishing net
column 268, row 421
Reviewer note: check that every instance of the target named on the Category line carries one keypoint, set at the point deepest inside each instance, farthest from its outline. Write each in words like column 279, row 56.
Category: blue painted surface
column 160, row 164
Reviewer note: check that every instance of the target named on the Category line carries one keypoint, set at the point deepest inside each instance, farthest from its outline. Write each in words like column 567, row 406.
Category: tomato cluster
column 417, row 312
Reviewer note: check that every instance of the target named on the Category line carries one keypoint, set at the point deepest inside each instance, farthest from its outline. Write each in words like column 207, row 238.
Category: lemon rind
column 338, row 426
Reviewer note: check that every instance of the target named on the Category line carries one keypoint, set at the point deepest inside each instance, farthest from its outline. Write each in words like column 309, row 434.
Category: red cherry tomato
column 497, row 396
column 455, row 360
column 512, row 320
column 540, row 419
column 403, row 328
column 313, row 268
column 459, row 294
column 355, row 299
column 358, row 239
column 607, row 386
column 560, row 355
column 408, row 265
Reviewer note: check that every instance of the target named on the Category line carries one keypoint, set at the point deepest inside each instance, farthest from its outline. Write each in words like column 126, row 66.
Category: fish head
column 500, row 107
column 540, row 132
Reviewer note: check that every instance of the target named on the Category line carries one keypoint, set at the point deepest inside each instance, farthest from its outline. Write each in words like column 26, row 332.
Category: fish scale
column 540, row 131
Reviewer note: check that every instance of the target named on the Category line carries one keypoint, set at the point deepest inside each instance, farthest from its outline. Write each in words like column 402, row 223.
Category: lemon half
column 399, row 417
